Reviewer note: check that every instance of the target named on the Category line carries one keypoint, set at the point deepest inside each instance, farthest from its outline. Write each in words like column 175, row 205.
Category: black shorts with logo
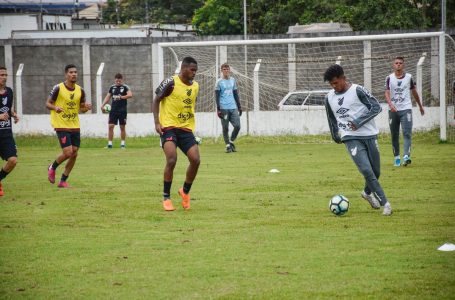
column 69, row 138
column 181, row 138
column 117, row 117
column 7, row 147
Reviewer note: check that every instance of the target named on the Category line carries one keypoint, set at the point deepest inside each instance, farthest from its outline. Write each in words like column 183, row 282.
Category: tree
column 219, row 17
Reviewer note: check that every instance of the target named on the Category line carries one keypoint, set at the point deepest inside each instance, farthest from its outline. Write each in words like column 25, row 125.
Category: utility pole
column 117, row 11
column 443, row 15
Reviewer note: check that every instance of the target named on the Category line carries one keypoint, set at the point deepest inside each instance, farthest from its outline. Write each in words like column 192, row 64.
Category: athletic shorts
column 117, row 118
column 181, row 138
column 7, row 147
column 69, row 138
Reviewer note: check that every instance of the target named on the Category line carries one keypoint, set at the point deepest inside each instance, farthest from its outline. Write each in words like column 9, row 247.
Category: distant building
column 319, row 27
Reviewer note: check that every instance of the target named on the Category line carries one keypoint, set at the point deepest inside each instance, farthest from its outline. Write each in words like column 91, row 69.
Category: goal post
column 298, row 64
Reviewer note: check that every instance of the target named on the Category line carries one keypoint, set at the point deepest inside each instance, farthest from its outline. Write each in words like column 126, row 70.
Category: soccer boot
column 406, row 160
column 397, row 162
column 122, row 147
column 387, row 210
column 63, row 184
column 1, row 190
column 371, row 199
column 167, row 205
column 228, row 149
column 232, row 146
column 51, row 174
column 185, row 199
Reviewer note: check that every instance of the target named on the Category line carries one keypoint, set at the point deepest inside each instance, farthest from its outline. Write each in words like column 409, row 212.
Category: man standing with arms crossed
column 398, row 88
column 65, row 101
column 8, row 150
column 228, row 106
column 173, row 111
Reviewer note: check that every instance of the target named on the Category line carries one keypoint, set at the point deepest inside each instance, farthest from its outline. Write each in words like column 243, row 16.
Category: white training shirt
column 400, row 90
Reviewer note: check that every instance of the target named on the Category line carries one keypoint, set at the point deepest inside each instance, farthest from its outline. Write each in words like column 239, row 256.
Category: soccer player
column 350, row 111
column 173, row 111
column 398, row 89
column 65, row 101
column 8, row 150
column 228, row 106
column 119, row 93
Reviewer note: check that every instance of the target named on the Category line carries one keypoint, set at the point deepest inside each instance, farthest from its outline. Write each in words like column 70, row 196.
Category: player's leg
column 235, row 121
column 75, row 144
column 168, row 143
column 122, row 122
column 406, row 126
column 64, row 138
column 358, row 151
column 225, row 126
column 187, row 143
column 394, row 124
column 8, row 152
column 113, row 120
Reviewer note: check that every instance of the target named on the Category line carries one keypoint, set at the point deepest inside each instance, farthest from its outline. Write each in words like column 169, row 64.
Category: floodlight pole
column 443, row 15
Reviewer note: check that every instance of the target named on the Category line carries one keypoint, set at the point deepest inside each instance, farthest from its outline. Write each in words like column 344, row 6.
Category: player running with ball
column 350, row 111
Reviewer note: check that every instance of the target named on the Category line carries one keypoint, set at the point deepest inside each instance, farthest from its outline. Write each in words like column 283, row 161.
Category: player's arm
column 416, row 96
column 387, row 95
column 128, row 95
column 332, row 122
column 50, row 102
column 84, row 106
column 163, row 90
column 217, row 100
column 237, row 101
column 14, row 115
column 374, row 108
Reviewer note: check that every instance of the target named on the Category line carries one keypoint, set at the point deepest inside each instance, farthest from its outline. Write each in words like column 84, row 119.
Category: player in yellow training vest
column 173, row 110
column 65, row 101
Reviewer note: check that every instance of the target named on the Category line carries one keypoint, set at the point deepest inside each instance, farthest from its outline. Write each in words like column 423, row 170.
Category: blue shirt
column 226, row 88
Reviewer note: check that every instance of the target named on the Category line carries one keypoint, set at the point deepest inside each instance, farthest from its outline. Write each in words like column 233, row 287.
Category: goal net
column 267, row 70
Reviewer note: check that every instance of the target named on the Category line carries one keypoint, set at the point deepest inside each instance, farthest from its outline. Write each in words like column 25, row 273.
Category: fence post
column 99, row 88
column 256, row 85
column 19, row 110
column 367, row 65
column 442, row 87
column 292, row 67
column 419, row 75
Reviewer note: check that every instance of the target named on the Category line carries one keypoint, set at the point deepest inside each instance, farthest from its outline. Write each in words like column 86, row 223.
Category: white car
column 303, row 100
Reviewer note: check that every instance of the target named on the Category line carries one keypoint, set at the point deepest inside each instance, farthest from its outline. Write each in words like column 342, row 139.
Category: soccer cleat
column 167, row 205
column 122, row 147
column 232, row 146
column 387, row 209
column 51, row 174
column 229, row 149
column 109, row 147
column 63, row 184
column 371, row 199
column 185, row 199
column 397, row 162
column 1, row 190
column 406, row 160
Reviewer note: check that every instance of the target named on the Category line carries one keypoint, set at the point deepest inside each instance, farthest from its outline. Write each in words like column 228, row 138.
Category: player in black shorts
column 119, row 93
column 7, row 144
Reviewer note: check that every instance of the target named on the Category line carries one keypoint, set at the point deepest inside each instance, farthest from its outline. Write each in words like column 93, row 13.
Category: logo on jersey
column 122, row 89
column 188, row 101
column 4, row 100
column 188, row 92
column 340, row 101
column 399, row 83
column 342, row 110
column 185, row 116
column 72, row 96
column 71, row 104
column 354, row 151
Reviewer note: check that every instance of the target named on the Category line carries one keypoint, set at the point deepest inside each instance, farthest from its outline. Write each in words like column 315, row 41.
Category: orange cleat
column 167, row 204
column 185, row 199
column 1, row 190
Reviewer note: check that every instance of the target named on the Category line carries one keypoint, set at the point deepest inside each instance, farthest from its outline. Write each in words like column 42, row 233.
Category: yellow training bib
column 70, row 101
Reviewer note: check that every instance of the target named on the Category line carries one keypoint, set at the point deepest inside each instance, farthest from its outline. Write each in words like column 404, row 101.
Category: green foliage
column 249, row 235
column 219, row 17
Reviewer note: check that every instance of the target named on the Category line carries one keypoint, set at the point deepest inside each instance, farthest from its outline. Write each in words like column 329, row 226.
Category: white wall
column 11, row 22
column 208, row 124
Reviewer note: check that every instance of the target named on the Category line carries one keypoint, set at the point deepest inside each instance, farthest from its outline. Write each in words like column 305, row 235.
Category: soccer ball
column 198, row 140
column 339, row 205
column 107, row 108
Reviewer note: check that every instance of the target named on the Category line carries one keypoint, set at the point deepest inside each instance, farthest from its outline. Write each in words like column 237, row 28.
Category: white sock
column 123, row 143
column 109, row 143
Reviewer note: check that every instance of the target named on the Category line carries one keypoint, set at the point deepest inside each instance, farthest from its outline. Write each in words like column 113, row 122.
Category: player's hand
column 392, row 108
column 103, row 109
column 422, row 111
column 4, row 116
column 219, row 114
column 15, row 117
column 159, row 128
column 240, row 112
column 58, row 109
column 352, row 126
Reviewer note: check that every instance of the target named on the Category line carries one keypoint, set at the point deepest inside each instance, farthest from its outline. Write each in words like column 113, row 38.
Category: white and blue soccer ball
column 339, row 205
column 198, row 140
column 107, row 108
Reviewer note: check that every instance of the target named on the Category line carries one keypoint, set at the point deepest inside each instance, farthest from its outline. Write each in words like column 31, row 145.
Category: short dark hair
column 332, row 72
column 2, row 68
column 118, row 76
column 225, row 65
column 400, row 58
column 67, row 67
column 189, row 60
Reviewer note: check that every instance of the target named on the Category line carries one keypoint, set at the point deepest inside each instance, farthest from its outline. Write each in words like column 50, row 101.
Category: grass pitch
column 249, row 235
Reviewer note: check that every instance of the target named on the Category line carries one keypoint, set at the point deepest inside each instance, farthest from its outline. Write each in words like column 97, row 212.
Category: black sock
column 55, row 164
column 167, row 189
column 3, row 174
column 64, row 177
column 186, row 187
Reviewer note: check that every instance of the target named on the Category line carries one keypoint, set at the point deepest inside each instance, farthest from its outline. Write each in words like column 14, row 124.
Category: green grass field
column 249, row 235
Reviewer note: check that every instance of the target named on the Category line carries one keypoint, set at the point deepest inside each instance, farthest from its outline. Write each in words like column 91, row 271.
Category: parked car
column 303, row 100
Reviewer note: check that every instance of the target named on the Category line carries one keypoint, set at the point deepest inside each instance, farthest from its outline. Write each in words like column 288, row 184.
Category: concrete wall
column 208, row 124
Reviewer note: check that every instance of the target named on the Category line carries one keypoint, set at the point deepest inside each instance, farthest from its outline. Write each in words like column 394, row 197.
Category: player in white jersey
column 350, row 111
column 398, row 89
